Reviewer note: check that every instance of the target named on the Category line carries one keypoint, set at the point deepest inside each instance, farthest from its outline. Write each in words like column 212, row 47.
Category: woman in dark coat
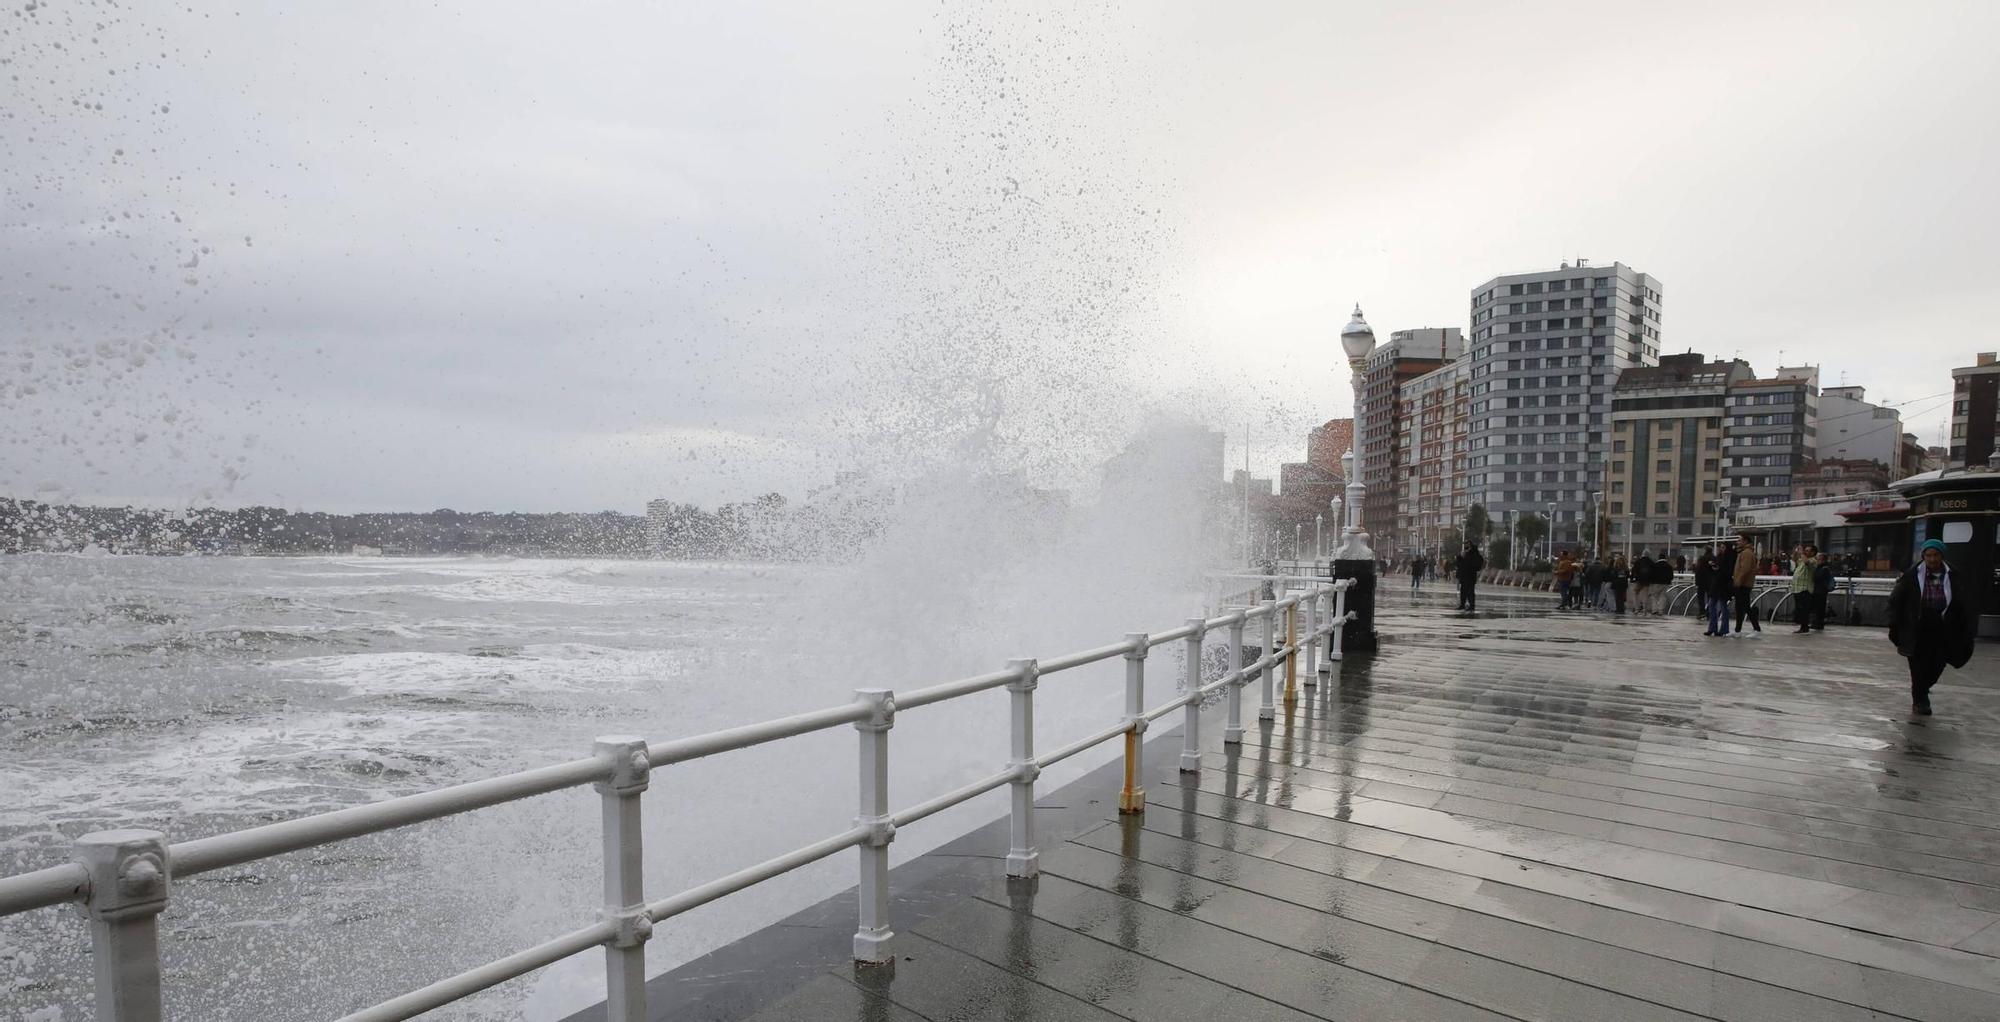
column 1933, row 617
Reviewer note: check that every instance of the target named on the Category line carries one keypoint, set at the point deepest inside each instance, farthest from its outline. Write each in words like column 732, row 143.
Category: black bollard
column 1358, row 635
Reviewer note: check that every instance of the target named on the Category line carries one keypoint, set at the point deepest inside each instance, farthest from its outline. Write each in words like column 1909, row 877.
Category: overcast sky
column 534, row 256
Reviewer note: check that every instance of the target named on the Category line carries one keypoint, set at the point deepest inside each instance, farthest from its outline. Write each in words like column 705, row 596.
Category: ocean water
column 200, row 695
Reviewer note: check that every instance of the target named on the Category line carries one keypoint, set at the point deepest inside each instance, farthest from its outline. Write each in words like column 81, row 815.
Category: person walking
column 1704, row 583
column 1468, row 566
column 1642, row 581
column 1416, row 573
column 1593, row 584
column 1802, row 588
column 1822, row 587
column 1618, row 580
column 1745, row 582
column 1663, row 583
column 1933, row 619
column 1724, row 587
column 1565, row 580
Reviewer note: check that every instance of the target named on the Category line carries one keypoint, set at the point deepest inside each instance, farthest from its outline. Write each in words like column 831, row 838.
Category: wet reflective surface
column 1521, row 815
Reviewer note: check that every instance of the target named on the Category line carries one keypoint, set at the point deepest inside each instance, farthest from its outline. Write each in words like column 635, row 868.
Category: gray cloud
column 509, row 255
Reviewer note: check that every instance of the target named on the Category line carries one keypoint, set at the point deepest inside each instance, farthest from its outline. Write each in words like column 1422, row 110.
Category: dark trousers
column 1819, row 611
column 1745, row 608
column 1925, row 670
column 1618, row 595
column 1466, row 594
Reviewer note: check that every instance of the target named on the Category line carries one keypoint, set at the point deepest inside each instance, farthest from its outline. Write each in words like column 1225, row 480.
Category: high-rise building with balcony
column 1408, row 355
column 1770, row 433
column 1432, row 484
column 1547, row 347
column 1663, row 478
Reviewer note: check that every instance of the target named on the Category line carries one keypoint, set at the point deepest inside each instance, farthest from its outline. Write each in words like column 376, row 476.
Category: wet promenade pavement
column 1523, row 815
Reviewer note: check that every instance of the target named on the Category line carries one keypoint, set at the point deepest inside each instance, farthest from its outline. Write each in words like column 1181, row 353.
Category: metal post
column 1133, row 798
column 1232, row 729
column 1191, row 721
column 1339, row 624
column 1291, row 654
column 872, row 937
column 1266, row 710
column 624, row 877
column 1022, row 858
column 1313, row 637
column 129, row 878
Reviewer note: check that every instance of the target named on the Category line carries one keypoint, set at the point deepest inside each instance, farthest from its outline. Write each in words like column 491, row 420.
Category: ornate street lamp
column 1319, row 544
column 1357, row 339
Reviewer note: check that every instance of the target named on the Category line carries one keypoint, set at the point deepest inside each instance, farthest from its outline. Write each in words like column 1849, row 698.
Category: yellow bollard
column 1132, row 799
column 1292, row 659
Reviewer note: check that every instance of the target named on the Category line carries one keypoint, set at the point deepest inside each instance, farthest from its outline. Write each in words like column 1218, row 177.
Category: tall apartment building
column 1668, row 423
column 1408, row 355
column 1975, row 410
column 1547, row 348
column 1853, row 429
column 1770, row 434
column 1432, row 483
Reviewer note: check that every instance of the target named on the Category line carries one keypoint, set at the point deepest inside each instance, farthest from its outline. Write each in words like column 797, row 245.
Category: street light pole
column 1549, row 537
column 1357, row 339
column 1319, row 540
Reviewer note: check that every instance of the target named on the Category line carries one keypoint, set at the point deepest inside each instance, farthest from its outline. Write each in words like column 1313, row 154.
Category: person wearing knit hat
column 1932, row 621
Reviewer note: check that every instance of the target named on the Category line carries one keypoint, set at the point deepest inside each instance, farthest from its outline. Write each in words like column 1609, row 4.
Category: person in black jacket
column 1724, row 588
column 1617, row 578
column 1933, row 617
column 1822, row 589
column 1704, row 580
column 1468, row 566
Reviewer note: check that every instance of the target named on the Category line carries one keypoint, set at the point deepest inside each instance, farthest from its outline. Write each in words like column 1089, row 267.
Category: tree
column 1477, row 524
column 1530, row 529
column 1497, row 551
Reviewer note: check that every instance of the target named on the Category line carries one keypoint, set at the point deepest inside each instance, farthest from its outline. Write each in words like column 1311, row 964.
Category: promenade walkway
column 1522, row 815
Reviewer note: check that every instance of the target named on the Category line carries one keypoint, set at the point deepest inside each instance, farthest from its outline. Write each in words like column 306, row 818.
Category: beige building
column 1664, row 472
column 1433, row 487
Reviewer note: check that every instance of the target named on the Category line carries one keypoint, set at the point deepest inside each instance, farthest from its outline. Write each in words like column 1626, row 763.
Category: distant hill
column 30, row 525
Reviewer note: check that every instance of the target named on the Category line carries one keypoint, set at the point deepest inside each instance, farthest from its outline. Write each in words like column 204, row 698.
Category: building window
column 1618, row 446
column 1664, row 465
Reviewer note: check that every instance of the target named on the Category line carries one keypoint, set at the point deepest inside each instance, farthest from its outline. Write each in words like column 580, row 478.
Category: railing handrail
column 123, row 877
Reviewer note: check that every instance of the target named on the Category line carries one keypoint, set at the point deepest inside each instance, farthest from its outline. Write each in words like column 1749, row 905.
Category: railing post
column 1191, row 713
column 1266, row 710
column 1339, row 623
column 1232, row 728
column 129, row 878
column 1291, row 654
column 1312, row 637
column 1132, row 799
column 624, row 876
column 873, row 936
column 1022, row 858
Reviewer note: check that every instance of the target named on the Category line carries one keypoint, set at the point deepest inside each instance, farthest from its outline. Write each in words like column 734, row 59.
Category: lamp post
column 1296, row 528
column 1355, row 559
column 1319, row 539
column 1513, row 546
column 1596, row 516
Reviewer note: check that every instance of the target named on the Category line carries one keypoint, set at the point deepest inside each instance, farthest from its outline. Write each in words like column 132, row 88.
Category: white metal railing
column 122, row 879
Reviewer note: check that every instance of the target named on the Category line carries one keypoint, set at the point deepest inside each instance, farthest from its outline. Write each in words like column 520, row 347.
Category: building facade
column 1433, row 486
column 1547, row 349
column 1853, row 429
column 1839, row 477
column 1664, row 475
column 1327, row 442
column 1975, row 410
column 1770, row 433
column 1408, row 355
